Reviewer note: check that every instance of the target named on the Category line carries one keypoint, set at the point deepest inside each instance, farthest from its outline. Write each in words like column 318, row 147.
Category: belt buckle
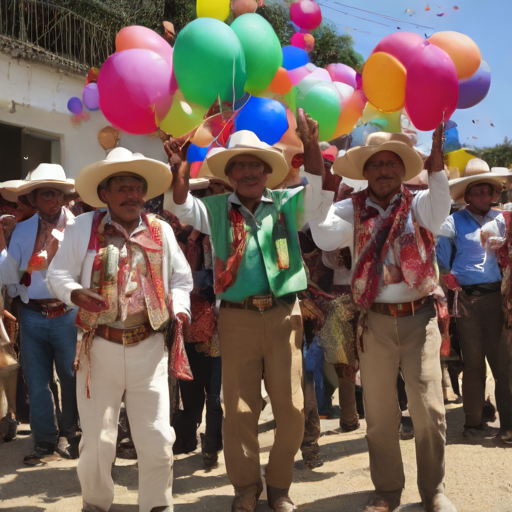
column 393, row 311
column 134, row 336
column 262, row 303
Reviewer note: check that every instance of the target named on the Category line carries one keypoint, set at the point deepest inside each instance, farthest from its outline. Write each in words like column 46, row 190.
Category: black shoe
column 9, row 427
column 406, row 428
column 349, row 427
column 43, row 453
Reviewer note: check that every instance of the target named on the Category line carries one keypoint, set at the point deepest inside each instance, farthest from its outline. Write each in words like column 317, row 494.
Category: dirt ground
column 478, row 477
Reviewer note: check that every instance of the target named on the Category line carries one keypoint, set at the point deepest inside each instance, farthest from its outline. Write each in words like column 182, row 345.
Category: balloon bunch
column 430, row 77
column 90, row 99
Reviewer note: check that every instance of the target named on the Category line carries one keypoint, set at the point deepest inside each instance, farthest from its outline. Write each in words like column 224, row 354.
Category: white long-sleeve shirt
column 316, row 204
column 431, row 208
column 72, row 265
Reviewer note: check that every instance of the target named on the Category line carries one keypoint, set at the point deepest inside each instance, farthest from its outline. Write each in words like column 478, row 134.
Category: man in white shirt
column 123, row 269
column 47, row 325
column 389, row 233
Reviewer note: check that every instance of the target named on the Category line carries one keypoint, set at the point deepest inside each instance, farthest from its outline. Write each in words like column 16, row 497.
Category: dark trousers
column 205, row 387
column 481, row 336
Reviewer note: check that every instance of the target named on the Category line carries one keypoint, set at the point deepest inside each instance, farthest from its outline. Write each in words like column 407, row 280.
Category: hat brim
column 351, row 164
column 218, row 160
column 25, row 187
column 458, row 186
column 157, row 175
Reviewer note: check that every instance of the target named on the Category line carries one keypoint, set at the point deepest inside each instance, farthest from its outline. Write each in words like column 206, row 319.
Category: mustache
column 130, row 203
column 249, row 180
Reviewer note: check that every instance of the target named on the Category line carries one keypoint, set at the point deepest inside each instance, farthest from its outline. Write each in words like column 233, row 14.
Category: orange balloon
column 281, row 83
column 350, row 114
column 462, row 49
column 310, row 42
column 384, row 82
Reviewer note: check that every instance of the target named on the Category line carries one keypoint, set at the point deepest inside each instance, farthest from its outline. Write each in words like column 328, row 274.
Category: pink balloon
column 342, row 73
column 133, row 85
column 298, row 40
column 297, row 74
column 136, row 37
column 400, row 45
column 432, row 87
column 306, row 14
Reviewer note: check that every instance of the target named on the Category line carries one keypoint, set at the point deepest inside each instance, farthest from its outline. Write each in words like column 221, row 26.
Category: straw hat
column 351, row 164
column 8, row 190
column 157, row 175
column 44, row 175
column 479, row 173
column 246, row 142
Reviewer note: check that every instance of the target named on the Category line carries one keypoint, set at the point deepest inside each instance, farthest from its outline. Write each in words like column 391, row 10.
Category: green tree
column 499, row 155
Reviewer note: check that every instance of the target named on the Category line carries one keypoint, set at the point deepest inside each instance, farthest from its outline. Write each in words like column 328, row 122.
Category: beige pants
column 253, row 344
column 139, row 373
column 413, row 343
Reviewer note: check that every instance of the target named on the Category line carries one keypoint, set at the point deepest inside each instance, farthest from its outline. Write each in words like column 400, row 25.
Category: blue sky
column 487, row 22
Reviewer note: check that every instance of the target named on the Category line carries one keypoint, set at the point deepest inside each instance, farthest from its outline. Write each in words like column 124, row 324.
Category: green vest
column 281, row 282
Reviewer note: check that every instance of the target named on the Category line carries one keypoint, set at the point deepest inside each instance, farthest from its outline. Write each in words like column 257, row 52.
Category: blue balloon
column 196, row 153
column 452, row 142
column 265, row 117
column 294, row 57
column 75, row 105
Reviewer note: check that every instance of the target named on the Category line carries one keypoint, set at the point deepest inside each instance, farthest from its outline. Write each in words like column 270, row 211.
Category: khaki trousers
column 253, row 344
column 413, row 343
column 481, row 336
column 139, row 373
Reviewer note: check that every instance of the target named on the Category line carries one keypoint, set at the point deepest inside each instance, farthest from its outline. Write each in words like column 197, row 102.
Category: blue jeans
column 44, row 341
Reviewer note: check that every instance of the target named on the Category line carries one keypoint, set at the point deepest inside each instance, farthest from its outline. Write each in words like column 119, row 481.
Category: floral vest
column 504, row 256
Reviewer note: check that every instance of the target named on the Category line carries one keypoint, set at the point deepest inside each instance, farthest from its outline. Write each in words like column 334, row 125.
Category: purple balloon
column 342, row 73
column 134, row 85
column 75, row 105
column 474, row 89
column 91, row 96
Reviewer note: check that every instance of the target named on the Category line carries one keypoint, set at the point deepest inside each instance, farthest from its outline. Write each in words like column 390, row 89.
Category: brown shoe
column 244, row 503
column 279, row 501
column 382, row 505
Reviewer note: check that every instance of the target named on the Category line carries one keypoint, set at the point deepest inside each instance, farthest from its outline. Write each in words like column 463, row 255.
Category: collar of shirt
column 483, row 219
column 108, row 220
column 246, row 214
column 382, row 212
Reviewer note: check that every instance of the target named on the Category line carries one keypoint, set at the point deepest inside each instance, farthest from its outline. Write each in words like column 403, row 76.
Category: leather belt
column 125, row 336
column 400, row 309
column 49, row 308
column 482, row 289
column 259, row 303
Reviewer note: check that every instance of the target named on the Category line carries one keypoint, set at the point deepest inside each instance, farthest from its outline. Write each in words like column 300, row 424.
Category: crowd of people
column 150, row 295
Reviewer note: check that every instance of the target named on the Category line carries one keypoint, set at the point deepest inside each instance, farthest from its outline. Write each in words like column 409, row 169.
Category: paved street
column 479, row 477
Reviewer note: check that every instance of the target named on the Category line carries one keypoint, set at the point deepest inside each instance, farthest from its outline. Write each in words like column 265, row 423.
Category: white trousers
column 138, row 372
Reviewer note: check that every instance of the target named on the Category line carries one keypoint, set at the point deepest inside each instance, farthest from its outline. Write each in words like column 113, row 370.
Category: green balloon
column 209, row 62
column 322, row 103
column 262, row 49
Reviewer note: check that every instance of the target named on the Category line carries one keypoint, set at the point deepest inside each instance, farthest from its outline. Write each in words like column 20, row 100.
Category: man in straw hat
column 121, row 268
column 47, row 325
column 475, row 277
column 258, row 271
column 389, row 231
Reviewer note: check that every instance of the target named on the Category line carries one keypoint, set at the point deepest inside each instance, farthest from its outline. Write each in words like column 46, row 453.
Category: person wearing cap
column 258, row 271
column 123, row 269
column 390, row 235
column 47, row 325
column 476, row 278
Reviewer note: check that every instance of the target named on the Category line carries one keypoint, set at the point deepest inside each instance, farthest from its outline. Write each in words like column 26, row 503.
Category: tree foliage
column 499, row 155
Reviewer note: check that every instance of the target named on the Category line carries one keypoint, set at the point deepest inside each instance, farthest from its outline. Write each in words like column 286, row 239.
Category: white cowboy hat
column 44, row 175
column 157, row 175
column 351, row 164
column 495, row 177
column 246, row 142
column 8, row 190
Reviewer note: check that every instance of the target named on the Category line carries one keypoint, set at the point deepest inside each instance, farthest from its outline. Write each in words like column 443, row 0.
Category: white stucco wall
column 41, row 94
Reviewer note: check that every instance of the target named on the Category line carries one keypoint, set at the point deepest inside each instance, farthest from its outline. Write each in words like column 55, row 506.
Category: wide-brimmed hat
column 351, row 164
column 246, row 142
column 495, row 177
column 44, row 175
column 157, row 175
column 8, row 190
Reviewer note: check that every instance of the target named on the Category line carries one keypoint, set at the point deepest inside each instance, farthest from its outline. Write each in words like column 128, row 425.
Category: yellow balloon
column 218, row 9
column 458, row 160
column 384, row 82
column 183, row 116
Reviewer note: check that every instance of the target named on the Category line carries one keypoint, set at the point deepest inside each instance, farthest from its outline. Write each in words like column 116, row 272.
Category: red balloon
column 306, row 14
column 432, row 87
column 400, row 45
